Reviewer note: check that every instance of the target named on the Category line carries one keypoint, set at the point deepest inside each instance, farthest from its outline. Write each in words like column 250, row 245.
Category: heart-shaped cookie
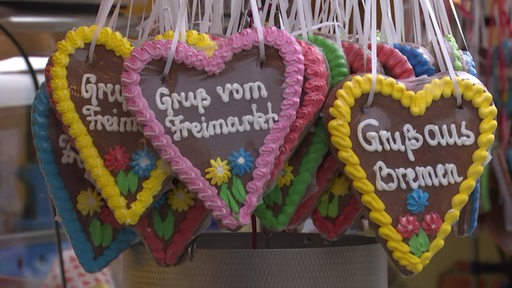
column 94, row 234
column 88, row 99
column 219, row 121
column 413, row 155
column 175, row 219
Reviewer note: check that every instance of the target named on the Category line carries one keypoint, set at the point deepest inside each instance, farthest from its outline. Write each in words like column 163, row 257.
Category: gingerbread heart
column 95, row 235
column 175, row 219
column 87, row 96
column 208, row 112
column 413, row 155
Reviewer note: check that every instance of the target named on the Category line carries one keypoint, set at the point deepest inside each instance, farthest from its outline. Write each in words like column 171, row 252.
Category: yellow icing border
column 417, row 104
column 105, row 182
column 199, row 40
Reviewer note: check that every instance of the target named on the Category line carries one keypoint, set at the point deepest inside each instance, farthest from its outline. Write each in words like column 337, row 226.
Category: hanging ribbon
column 101, row 18
column 259, row 29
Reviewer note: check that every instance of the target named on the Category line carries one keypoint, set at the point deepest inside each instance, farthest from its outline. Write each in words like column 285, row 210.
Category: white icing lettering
column 373, row 137
column 248, row 91
column 387, row 179
column 69, row 156
column 232, row 124
column 447, row 135
column 173, row 101
column 98, row 122
column 94, row 91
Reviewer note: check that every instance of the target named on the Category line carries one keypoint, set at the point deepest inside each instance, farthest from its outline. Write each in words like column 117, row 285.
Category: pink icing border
column 315, row 88
column 154, row 131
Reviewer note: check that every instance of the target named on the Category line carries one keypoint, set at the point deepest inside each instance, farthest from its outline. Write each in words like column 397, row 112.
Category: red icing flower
column 431, row 223
column 408, row 226
column 107, row 217
column 117, row 158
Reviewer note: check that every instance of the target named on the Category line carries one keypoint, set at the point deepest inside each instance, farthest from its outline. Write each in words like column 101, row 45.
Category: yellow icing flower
column 218, row 172
column 340, row 186
column 89, row 202
column 285, row 176
column 180, row 198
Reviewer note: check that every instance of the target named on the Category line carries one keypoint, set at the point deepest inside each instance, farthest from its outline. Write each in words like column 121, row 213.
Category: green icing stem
column 338, row 66
column 306, row 173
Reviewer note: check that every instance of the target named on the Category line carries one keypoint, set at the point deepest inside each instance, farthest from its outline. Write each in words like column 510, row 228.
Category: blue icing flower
column 240, row 162
column 417, row 200
column 143, row 162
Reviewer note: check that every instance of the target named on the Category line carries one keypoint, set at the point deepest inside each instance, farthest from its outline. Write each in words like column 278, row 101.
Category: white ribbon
column 438, row 37
column 179, row 32
column 101, row 18
column 257, row 23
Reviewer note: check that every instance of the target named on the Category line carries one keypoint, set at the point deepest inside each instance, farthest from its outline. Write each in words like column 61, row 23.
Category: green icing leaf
column 223, row 194
column 122, row 182
column 238, row 190
column 169, row 226
column 232, row 203
column 423, row 240
column 132, row 181
column 107, row 234
column 419, row 243
column 323, row 205
column 163, row 228
column 95, row 232
column 334, row 207
column 278, row 196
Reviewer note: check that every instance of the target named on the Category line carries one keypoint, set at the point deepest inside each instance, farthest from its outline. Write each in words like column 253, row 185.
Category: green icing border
column 307, row 171
column 338, row 66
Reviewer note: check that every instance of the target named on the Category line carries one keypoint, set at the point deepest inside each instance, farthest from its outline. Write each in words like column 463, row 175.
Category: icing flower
column 180, row 198
column 431, row 223
column 218, row 172
column 117, row 158
column 286, row 176
column 340, row 186
column 107, row 217
column 408, row 226
column 143, row 162
column 240, row 162
column 88, row 202
column 417, row 200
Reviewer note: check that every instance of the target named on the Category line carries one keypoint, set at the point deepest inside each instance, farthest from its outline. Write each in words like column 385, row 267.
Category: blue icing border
column 470, row 63
column 79, row 241
column 475, row 201
column 419, row 62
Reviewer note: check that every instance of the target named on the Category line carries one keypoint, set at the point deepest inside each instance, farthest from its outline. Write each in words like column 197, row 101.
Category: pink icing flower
column 431, row 223
column 117, row 158
column 408, row 226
